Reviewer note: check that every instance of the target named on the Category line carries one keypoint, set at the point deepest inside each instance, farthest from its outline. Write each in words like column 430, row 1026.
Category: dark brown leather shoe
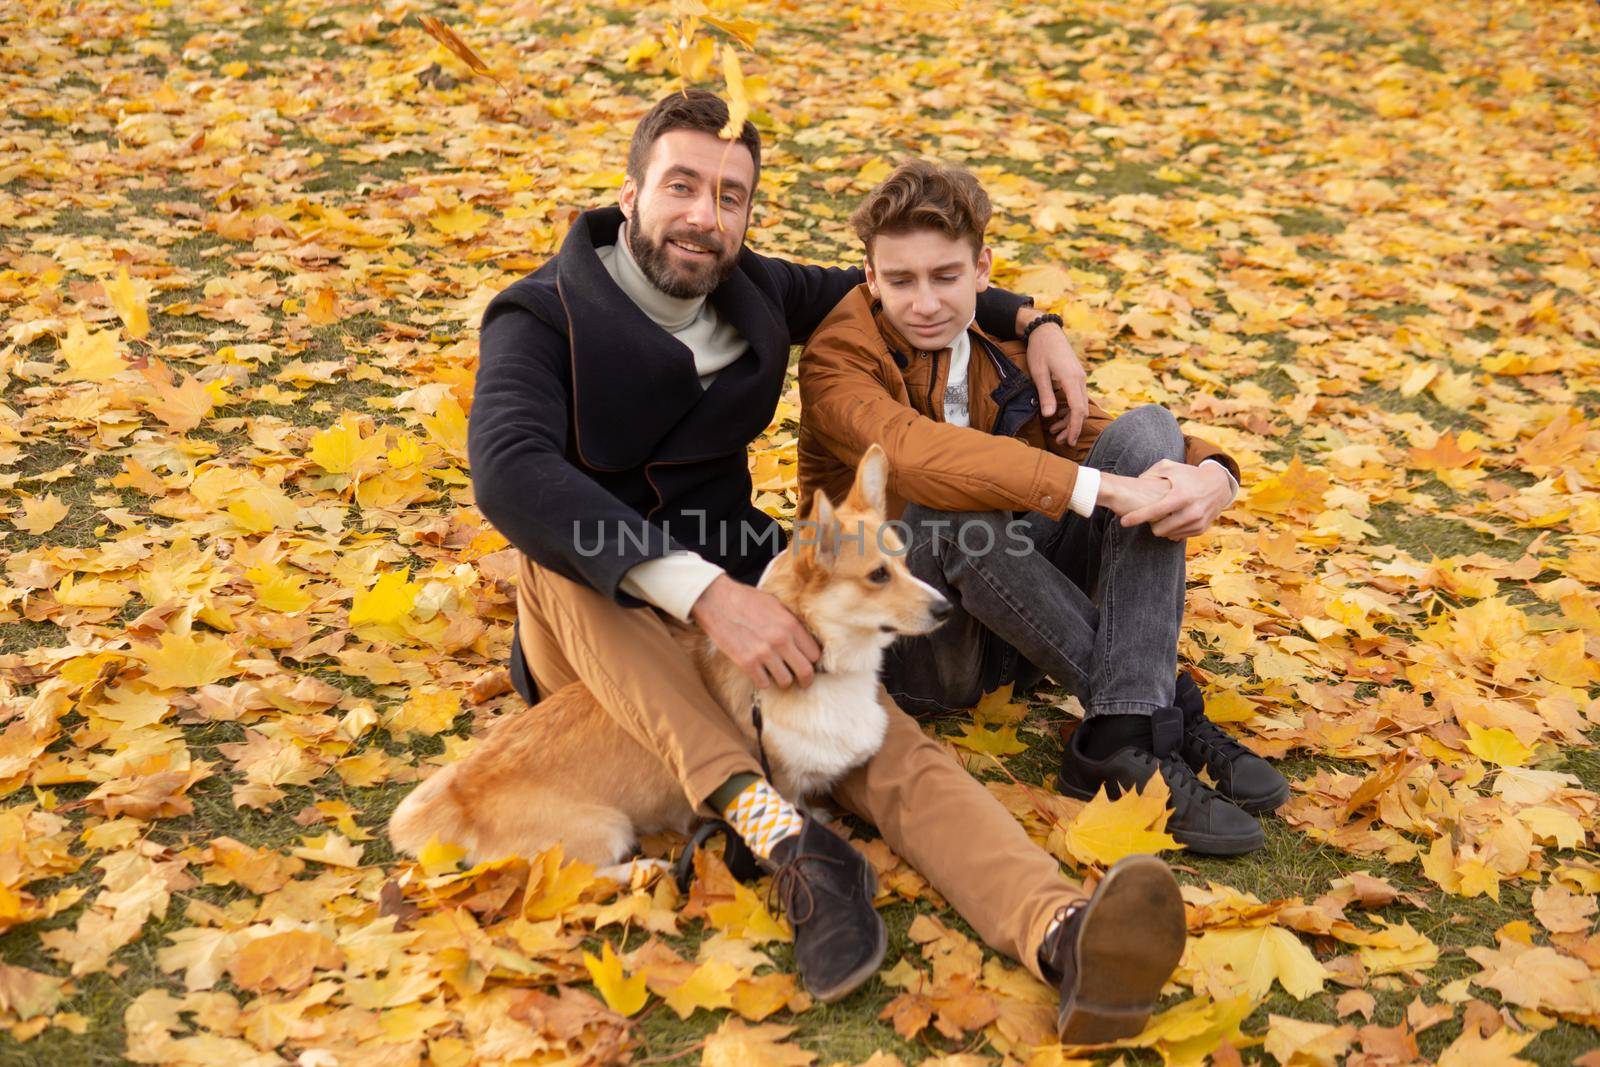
column 1111, row 954
column 826, row 888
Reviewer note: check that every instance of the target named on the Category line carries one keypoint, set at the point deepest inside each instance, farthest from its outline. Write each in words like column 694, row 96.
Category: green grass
column 276, row 41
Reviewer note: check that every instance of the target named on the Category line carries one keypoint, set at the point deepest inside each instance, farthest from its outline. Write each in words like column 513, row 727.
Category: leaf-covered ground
column 246, row 599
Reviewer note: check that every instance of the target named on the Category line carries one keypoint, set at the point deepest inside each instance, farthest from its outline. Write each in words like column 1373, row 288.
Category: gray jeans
column 1095, row 606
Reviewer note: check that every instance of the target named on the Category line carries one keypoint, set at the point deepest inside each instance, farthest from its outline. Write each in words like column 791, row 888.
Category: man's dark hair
column 691, row 109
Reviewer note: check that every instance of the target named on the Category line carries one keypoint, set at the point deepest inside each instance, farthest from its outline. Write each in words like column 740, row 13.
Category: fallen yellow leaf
column 622, row 995
column 40, row 514
column 1107, row 830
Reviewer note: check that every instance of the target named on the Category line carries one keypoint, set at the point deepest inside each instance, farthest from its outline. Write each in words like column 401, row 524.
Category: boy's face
column 928, row 284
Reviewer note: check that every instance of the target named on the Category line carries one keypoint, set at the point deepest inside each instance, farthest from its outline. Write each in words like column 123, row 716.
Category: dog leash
column 761, row 748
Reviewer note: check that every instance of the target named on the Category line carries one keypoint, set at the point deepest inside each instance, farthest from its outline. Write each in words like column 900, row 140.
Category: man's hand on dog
column 761, row 636
column 1197, row 495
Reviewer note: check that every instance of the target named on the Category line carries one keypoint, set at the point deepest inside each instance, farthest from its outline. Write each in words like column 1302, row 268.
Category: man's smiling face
column 685, row 228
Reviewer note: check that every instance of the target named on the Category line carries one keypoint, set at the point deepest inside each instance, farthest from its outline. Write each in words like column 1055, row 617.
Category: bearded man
column 619, row 388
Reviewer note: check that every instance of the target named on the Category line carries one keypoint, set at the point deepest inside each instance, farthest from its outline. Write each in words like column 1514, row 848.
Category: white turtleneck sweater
column 675, row 581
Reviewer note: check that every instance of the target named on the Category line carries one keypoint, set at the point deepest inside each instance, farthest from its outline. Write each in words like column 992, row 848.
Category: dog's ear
column 816, row 536
column 871, row 488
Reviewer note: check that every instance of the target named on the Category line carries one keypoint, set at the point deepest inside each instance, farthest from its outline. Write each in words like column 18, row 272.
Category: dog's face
column 852, row 586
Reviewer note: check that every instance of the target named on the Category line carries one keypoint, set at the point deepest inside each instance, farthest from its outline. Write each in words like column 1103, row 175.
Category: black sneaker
column 1202, row 820
column 1241, row 775
column 1110, row 978
column 826, row 888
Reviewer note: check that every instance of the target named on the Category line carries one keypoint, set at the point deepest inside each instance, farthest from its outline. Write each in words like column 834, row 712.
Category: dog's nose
column 940, row 609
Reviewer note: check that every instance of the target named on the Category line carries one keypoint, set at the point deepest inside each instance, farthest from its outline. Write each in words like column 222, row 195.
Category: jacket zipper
column 933, row 380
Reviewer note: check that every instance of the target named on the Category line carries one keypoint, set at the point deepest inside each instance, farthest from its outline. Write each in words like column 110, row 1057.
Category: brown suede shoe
column 1111, row 954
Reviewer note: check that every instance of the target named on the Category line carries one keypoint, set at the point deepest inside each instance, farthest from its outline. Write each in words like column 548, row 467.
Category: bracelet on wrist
column 1038, row 321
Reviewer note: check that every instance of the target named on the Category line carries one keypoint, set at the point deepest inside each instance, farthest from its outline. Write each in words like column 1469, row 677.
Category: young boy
column 1062, row 559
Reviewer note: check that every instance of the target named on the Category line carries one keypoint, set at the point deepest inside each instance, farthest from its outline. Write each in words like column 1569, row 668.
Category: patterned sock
column 762, row 817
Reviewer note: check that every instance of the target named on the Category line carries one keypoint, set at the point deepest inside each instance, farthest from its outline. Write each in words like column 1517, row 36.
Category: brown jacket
column 854, row 391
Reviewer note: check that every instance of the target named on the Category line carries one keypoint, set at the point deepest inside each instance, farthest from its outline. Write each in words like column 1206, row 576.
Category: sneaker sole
column 1264, row 805
column 856, row 978
column 1198, row 842
column 1118, row 987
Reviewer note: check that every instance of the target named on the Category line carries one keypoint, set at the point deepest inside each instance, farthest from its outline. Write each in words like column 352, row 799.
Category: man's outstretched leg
column 950, row 828
column 628, row 658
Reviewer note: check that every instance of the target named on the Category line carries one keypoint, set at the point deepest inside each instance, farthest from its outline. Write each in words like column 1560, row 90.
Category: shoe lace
column 789, row 886
column 1213, row 739
column 1059, row 924
column 1183, row 782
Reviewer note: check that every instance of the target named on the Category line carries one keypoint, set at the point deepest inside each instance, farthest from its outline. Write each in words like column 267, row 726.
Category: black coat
column 592, row 444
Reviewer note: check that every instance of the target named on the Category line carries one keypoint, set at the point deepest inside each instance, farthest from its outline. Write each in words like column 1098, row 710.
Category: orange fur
column 564, row 771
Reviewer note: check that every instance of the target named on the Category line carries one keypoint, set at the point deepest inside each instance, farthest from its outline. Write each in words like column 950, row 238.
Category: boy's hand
column 1198, row 496
column 1124, row 495
column 755, row 630
column 1053, row 363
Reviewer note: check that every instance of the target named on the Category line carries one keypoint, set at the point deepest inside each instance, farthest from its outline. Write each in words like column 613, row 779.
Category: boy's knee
column 1144, row 437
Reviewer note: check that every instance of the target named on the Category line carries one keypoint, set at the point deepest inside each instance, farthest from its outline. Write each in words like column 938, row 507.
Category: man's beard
column 676, row 279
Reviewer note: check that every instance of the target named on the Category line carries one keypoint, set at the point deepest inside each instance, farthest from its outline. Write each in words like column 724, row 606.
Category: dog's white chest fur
column 815, row 735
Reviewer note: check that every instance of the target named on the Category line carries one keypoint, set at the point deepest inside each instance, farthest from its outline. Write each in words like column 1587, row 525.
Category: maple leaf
column 709, row 987
column 997, row 708
column 322, row 306
column 440, row 857
column 185, row 661
column 91, row 357
column 1190, row 1032
column 283, row 961
column 1299, row 490
column 999, row 742
column 1539, row 978
column 736, row 1044
column 185, row 406
column 331, row 848
column 1246, row 961
column 459, row 222
column 1561, row 911
column 1472, row 1049
column 624, row 996
column 447, row 37
column 746, row 917
column 426, row 713
column 756, row 998
column 1302, row 1043
column 555, row 886
column 25, row 994
column 40, row 514
column 277, row 590
column 257, row 869
column 387, row 603
column 129, row 305
column 1107, row 830
column 1446, row 454
column 156, row 795
column 447, row 428
column 1497, row 746
column 738, row 102
column 202, row 953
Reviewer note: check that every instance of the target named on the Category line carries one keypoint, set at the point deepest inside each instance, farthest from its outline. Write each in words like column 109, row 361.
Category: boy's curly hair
column 920, row 195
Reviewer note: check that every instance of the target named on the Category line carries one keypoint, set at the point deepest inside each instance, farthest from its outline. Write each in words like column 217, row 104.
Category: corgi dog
column 564, row 771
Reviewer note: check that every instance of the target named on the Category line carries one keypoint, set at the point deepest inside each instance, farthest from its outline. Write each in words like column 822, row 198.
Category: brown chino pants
column 930, row 811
